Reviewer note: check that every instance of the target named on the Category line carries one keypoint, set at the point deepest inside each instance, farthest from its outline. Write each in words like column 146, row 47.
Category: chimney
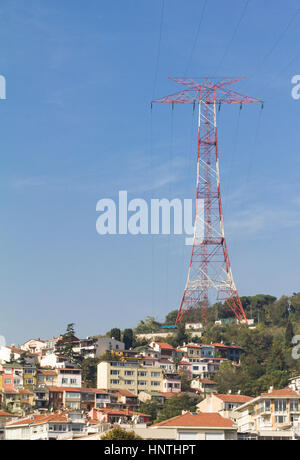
column 271, row 389
column 229, row 392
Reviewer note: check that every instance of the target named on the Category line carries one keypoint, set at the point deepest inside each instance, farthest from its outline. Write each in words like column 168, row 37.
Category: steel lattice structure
column 209, row 268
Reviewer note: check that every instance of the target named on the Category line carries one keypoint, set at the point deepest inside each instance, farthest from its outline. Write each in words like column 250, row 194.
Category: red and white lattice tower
column 210, row 274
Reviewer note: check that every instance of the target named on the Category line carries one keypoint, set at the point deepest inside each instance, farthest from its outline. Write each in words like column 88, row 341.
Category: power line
column 277, row 41
column 196, row 36
column 234, row 34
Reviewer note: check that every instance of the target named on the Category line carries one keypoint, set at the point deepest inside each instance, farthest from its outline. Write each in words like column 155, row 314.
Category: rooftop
column 200, row 419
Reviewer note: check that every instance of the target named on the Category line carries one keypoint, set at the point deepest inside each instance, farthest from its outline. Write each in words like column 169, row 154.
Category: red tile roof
column 164, row 345
column 120, row 412
column 222, row 345
column 234, row 398
column 6, row 414
column 284, row 392
column 169, row 394
column 202, row 419
column 207, row 381
column 127, row 393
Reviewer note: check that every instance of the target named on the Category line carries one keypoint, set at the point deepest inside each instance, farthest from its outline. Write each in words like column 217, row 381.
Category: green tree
column 89, row 372
column 119, row 434
column 149, row 407
column 66, row 345
column 128, row 338
column 115, row 333
column 289, row 334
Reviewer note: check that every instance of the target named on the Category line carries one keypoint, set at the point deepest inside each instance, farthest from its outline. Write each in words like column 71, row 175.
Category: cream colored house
column 222, row 404
column 272, row 415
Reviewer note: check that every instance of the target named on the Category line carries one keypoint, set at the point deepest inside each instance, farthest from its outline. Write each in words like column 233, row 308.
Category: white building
column 34, row 346
column 272, row 415
column 68, row 377
column 45, row 427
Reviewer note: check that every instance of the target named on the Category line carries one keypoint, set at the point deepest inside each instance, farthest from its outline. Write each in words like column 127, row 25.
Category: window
column 294, row 405
column 64, row 381
column 142, row 374
column 73, row 381
column 280, row 405
column 155, row 374
column 115, row 382
column 71, row 394
column 129, row 382
column 267, row 405
column 142, row 382
column 114, row 372
column 8, row 381
column 128, row 373
column 29, row 381
column 280, row 419
column 155, row 384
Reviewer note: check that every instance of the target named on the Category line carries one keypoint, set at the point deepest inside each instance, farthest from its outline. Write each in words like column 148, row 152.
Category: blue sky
column 76, row 127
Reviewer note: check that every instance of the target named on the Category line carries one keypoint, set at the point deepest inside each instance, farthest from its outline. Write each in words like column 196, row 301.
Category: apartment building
column 11, row 376
column 204, row 368
column 47, row 377
column 231, row 352
column 93, row 347
column 68, row 377
column 129, row 376
column 270, row 416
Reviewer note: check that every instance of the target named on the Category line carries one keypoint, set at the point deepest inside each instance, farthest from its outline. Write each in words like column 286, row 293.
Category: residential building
column 222, row 404
column 41, row 398
column 194, row 350
column 34, row 346
column 4, row 418
column 166, row 350
column 270, row 416
column 29, row 376
column 204, row 386
column 12, row 376
column 231, row 352
column 204, row 368
column 45, row 427
column 54, row 360
column 6, row 353
column 126, row 399
column 117, row 415
column 195, row 329
column 171, row 383
column 115, row 375
column 47, row 377
column 68, row 377
column 295, row 383
column 190, row 426
column 93, row 347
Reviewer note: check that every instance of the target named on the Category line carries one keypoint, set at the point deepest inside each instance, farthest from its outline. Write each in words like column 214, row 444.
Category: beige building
column 189, row 426
column 272, row 415
column 115, row 375
column 222, row 404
